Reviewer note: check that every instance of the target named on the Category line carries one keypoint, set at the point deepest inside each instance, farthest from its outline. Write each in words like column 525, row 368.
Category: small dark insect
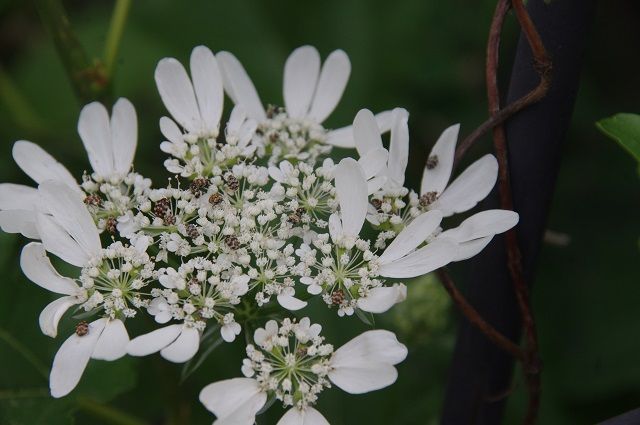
column 432, row 162
column 199, row 185
column 161, row 207
column 232, row 242
column 82, row 328
column 231, row 181
column 93, row 200
column 428, row 199
column 169, row 219
column 111, row 225
column 192, row 231
column 337, row 297
column 215, row 199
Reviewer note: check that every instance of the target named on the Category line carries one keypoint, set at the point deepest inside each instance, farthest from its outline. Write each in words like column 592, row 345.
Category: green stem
column 107, row 413
column 114, row 36
column 25, row 352
column 88, row 79
column 18, row 106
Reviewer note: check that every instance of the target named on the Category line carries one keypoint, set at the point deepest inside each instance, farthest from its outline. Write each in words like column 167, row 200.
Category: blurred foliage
column 624, row 129
column 425, row 56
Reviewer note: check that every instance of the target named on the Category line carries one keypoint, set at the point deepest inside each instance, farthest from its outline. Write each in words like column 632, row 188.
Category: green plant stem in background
column 107, row 413
column 18, row 105
column 114, row 36
column 88, row 79
column 28, row 355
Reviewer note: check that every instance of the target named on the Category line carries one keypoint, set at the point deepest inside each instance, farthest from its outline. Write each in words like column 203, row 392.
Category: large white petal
column 472, row 248
column 343, row 137
column 38, row 268
column 57, row 241
column 436, row 178
column 207, row 83
column 71, row 213
column 18, row 197
column 113, row 342
column 308, row 416
column 124, row 135
column 177, row 93
column 41, row 166
column 95, row 131
column 239, row 399
column 472, row 186
column 331, row 84
column 72, row 358
column 19, row 221
column 399, row 146
column 382, row 298
column 411, row 236
column 373, row 162
column 363, row 377
column 154, row 341
column 433, row 256
column 366, row 133
column 484, row 223
column 239, row 87
column 335, row 226
column 291, row 303
column 300, row 80
column 376, row 346
column 351, row 190
column 184, row 347
column 170, row 130
column 50, row 316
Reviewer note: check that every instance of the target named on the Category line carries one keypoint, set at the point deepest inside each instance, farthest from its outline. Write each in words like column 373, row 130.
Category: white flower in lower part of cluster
column 110, row 144
column 311, row 92
column 291, row 362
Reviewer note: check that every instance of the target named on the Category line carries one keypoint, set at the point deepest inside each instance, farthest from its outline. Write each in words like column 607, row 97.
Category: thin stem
column 114, row 36
column 18, row 105
column 107, row 413
column 28, row 355
column 476, row 319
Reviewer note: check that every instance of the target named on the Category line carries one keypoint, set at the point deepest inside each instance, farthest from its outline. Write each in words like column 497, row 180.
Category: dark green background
column 426, row 56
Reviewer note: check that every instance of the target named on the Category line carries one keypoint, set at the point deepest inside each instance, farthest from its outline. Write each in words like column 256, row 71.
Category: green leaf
column 625, row 129
column 367, row 318
column 211, row 340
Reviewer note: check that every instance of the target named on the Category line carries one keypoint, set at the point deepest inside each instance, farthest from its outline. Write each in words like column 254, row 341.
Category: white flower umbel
column 311, row 91
column 291, row 362
column 469, row 188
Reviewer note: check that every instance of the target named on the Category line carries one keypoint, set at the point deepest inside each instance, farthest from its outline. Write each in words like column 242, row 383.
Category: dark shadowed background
column 427, row 56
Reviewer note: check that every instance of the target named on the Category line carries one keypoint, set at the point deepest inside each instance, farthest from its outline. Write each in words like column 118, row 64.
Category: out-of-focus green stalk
column 107, row 413
column 88, row 78
column 18, row 106
column 114, row 36
column 28, row 355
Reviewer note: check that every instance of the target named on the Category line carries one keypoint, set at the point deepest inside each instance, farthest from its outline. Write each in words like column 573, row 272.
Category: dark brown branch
column 476, row 319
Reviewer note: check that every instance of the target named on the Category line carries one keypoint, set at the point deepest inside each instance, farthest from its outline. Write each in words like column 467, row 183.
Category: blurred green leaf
column 624, row 129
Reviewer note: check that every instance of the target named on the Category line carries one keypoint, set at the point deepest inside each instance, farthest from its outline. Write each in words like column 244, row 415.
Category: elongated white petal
column 343, row 137
column 113, row 342
column 154, row 341
column 239, row 87
column 41, row 166
column 50, row 316
column 377, row 346
column 375, row 184
column 95, row 131
column 472, row 186
column 71, row 213
column 331, row 84
column 384, row 120
column 291, row 303
column 373, row 162
column 436, row 178
column 412, row 236
column 335, row 226
column 18, row 197
column 177, row 93
column 399, row 146
column 170, row 130
column 364, row 377
column 484, row 223
column 300, row 80
column 351, row 190
column 38, row 268
column 472, row 248
column 184, row 347
column 433, row 256
column 207, row 83
column 72, row 358
column 308, row 416
column 124, row 135
column 366, row 133
column 382, row 298
column 57, row 241
column 238, row 399
column 19, row 221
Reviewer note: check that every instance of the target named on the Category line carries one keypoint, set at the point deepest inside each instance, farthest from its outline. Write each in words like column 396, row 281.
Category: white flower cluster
column 257, row 221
